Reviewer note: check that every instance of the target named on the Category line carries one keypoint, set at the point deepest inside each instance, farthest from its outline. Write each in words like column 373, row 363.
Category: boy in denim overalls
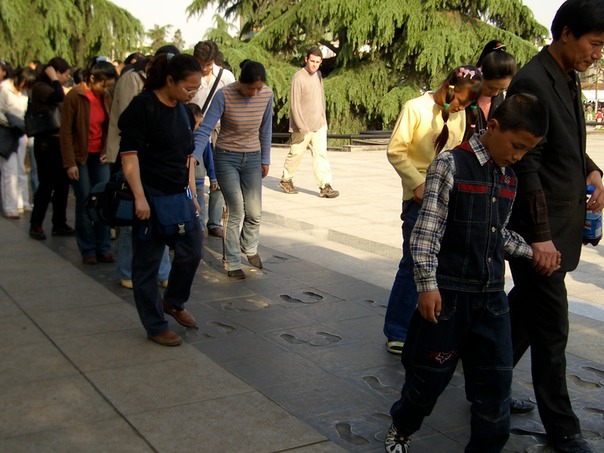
column 458, row 246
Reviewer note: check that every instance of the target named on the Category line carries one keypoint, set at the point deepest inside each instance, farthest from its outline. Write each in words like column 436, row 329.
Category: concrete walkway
column 290, row 359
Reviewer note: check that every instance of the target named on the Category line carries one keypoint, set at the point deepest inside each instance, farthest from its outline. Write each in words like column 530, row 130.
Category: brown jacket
column 75, row 126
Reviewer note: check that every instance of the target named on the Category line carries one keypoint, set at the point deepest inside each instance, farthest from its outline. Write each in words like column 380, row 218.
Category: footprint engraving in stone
column 376, row 385
column 243, row 305
column 327, row 338
column 595, row 410
column 291, row 339
column 345, row 432
column 282, row 258
column 375, row 304
column 598, row 372
column 225, row 328
column 583, row 383
column 324, row 339
column 312, row 298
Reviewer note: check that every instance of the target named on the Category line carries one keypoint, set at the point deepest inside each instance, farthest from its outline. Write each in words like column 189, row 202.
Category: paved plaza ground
column 291, row 359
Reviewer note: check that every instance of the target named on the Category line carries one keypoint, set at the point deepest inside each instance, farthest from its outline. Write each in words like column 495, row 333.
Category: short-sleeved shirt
column 162, row 137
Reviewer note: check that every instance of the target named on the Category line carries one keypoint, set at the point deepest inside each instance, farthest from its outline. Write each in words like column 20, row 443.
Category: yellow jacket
column 411, row 147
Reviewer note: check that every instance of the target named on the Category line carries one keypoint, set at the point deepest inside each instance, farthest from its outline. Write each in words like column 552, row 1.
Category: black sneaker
column 237, row 274
column 36, row 232
column 395, row 443
column 328, row 192
column 255, row 260
column 288, row 187
column 63, row 230
column 572, row 444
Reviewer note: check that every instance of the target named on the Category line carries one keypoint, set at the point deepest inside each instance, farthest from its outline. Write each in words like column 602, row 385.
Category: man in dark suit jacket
column 549, row 211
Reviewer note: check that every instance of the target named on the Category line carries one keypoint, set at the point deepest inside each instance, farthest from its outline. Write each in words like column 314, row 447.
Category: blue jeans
column 240, row 177
column 92, row 238
column 474, row 327
column 403, row 296
column 124, row 257
column 215, row 206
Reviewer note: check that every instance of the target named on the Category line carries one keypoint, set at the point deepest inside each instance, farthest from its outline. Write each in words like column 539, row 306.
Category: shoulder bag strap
column 206, row 104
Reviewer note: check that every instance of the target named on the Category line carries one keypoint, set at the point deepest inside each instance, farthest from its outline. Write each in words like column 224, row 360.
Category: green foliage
column 386, row 51
column 75, row 30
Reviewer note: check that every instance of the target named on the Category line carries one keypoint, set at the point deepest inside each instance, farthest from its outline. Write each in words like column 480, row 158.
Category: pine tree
column 74, row 30
column 386, row 51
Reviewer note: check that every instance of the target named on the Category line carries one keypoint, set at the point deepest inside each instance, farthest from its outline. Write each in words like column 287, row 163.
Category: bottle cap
column 590, row 189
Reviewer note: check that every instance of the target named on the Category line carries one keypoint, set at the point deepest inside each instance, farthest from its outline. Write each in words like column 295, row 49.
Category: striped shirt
column 246, row 123
column 432, row 221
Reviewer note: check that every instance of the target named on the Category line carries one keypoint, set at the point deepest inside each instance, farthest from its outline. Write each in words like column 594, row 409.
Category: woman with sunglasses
column 83, row 132
column 156, row 150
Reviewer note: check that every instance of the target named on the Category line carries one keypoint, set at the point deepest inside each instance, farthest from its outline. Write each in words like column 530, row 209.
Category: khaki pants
column 317, row 142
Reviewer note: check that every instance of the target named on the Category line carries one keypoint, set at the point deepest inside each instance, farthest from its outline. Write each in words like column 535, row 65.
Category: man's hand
column 429, row 305
column 596, row 201
column 546, row 258
column 141, row 208
column 265, row 169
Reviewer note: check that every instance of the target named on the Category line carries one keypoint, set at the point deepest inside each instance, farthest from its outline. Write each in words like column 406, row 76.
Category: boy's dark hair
column 26, row 76
column 78, row 75
column 100, row 68
column 179, row 67
column 168, row 48
column 252, row 71
column 134, row 57
column 194, row 109
column 314, row 51
column 522, row 112
column 580, row 16
column 206, row 51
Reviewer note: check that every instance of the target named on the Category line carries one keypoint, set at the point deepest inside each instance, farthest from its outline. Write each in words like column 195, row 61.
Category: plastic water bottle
column 592, row 230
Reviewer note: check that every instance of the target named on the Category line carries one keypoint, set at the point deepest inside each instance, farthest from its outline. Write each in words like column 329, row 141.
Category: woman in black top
column 53, row 181
column 156, row 149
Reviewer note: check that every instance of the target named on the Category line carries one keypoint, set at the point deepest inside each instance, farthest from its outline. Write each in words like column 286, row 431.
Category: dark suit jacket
column 557, row 168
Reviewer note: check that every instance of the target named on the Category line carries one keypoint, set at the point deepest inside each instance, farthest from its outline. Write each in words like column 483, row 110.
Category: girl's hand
column 73, row 173
column 51, row 73
column 265, row 168
column 418, row 193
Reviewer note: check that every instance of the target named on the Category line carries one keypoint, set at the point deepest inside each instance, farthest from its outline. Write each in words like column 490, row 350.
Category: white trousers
column 317, row 143
column 14, row 183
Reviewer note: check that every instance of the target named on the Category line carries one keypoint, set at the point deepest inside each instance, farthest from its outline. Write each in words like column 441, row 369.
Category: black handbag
column 111, row 203
column 9, row 140
column 45, row 121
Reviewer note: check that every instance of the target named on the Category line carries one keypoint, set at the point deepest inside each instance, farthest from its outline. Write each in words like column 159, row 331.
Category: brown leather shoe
column 89, row 260
column 167, row 338
column 182, row 317
column 105, row 258
column 215, row 231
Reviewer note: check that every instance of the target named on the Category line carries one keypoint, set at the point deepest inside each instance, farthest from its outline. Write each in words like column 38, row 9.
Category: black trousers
column 148, row 251
column 539, row 319
column 54, row 183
